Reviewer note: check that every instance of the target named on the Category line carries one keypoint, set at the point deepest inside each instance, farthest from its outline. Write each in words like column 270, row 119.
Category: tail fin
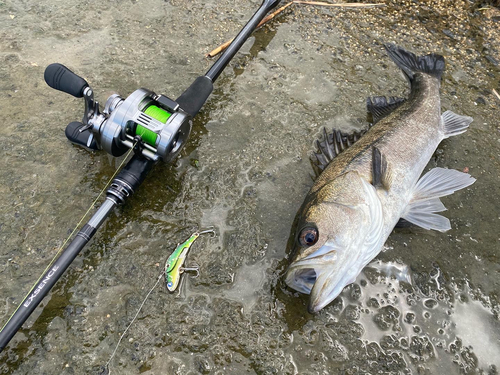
column 431, row 64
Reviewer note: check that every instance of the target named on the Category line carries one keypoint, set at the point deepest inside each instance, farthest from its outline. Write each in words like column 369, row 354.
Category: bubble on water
column 430, row 303
column 423, row 325
column 387, row 318
column 478, row 328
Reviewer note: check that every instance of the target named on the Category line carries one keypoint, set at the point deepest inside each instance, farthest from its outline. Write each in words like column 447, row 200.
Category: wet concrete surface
column 428, row 304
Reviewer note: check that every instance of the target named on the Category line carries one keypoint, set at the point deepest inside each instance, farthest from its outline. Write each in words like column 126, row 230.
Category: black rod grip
column 135, row 172
column 195, row 95
column 61, row 78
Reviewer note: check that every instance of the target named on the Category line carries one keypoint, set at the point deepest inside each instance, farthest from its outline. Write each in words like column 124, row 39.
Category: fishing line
column 72, row 233
column 130, row 324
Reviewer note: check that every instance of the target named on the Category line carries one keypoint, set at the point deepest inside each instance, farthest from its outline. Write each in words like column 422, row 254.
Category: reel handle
column 77, row 134
column 61, row 78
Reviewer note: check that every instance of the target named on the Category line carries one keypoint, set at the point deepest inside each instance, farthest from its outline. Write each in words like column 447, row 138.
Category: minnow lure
column 174, row 265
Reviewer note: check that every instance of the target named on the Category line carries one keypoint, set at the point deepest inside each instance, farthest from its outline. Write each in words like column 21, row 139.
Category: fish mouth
column 301, row 279
column 322, row 285
column 302, row 275
column 320, row 275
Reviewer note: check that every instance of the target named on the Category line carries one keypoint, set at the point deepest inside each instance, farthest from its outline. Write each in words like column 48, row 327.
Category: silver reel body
column 117, row 129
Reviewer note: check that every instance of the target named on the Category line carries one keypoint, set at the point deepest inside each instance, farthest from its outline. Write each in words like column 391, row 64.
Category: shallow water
column 428, row 303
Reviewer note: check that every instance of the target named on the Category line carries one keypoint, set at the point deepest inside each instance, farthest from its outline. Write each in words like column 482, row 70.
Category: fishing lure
column 174, row 266
column 173, row 270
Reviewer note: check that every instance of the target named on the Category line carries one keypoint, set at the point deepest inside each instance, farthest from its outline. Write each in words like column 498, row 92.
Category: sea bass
column 367, row 185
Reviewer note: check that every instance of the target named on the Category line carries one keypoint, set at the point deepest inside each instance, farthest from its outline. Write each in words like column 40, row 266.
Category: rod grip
column 61, row 78
column 195, row 95
column 135, row 172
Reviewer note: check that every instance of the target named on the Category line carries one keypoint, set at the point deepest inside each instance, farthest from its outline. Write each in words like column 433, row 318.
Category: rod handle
column 61, row 78
column 195, row 95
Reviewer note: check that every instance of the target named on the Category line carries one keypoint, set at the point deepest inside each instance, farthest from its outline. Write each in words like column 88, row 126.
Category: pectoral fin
column 381, row 176
column 374, row 239
column 425, row 202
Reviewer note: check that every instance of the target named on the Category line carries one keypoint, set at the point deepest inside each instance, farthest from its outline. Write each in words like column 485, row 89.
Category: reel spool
column 155, row 124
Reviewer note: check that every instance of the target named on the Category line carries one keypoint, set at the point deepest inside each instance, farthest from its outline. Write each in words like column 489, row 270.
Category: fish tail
column 410, row 63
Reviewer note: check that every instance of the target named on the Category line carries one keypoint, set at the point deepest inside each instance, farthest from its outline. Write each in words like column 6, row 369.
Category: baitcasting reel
column 154, row 125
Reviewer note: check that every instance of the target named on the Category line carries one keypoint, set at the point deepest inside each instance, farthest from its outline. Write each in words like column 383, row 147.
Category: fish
column 369, row 181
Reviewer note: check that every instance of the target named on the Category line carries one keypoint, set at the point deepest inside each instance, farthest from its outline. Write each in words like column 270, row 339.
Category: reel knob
column 61, row 78
column 77, row 134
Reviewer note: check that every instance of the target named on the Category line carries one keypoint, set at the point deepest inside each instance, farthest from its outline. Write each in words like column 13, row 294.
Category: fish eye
column 308, row 236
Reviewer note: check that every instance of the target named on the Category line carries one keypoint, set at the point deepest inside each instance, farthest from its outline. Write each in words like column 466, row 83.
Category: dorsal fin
column 380, row 106
column 330, row 146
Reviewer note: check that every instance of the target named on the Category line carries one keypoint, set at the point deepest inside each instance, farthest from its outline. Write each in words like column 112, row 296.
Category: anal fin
column 425, row 202
column 454, row 124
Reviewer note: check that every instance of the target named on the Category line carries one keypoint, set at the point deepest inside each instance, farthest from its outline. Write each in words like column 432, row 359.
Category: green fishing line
column 147, row 135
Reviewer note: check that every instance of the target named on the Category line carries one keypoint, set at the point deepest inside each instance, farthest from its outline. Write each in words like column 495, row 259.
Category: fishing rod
column 154, row 126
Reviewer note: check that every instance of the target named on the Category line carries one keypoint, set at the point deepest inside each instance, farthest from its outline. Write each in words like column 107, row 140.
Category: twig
column 219, row 49
column 342, row 5
column 223, row 46
column 274, row 14
column 496, row 94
